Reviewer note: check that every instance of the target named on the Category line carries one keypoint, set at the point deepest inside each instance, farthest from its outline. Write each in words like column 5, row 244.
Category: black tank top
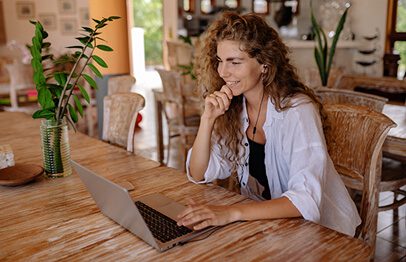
column 257, row 166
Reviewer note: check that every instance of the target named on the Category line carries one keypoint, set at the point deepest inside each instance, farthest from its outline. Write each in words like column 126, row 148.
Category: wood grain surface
column 57, row 220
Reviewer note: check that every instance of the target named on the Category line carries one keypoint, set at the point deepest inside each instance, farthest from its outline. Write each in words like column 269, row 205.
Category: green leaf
column 44, row 34
column 36, row 65
column 45, row 57
column 39, row 78
column 339, row 28
column 320, row 66
column 84, row 93
column 78, row 105
column 100, row 61
column 75, row 46
column 87, row 29
column 46, row 45
column 56, row 90
column 95, row 70
column 43, row 113
column 45, row 98
column 105, row 48
column 60, row 78
column 90, row 80
column 113, row 17
column 97, row 21
column 83, row 40
column 100, row 26
column 72, row 113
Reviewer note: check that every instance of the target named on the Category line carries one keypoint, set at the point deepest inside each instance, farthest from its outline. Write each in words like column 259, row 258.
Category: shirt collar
column 271, row 113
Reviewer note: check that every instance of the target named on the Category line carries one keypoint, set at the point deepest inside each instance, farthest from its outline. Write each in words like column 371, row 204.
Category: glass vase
column 55, row 148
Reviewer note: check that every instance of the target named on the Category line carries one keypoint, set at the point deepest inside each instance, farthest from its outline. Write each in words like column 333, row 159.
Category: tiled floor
column 391, row 238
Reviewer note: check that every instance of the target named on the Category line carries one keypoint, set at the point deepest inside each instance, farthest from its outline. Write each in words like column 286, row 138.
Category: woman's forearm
column 270, row 209
column 199, row 159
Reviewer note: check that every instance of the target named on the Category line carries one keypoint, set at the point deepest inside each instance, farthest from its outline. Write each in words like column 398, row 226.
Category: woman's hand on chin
column 217, row 103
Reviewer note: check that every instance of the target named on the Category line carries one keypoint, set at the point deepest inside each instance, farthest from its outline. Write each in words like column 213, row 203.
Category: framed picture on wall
column 67, row 7
column 48, row 21
column 84, row 16
column 25, row 10
column 69, row 26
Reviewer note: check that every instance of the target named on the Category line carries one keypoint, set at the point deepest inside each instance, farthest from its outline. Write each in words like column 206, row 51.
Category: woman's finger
column 227, row 91
column 204, row 224
column 225, row 99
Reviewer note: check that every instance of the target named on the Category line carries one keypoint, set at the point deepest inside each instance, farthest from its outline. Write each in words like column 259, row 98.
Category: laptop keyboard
column 162, row 227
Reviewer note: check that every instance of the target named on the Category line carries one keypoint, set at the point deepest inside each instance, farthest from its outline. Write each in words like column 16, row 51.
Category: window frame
column 391, row 35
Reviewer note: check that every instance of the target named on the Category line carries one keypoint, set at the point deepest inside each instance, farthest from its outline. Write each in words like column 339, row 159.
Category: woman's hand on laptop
column 202, row 216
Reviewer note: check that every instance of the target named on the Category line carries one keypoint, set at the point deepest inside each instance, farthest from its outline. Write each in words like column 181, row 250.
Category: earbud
column 264, row 68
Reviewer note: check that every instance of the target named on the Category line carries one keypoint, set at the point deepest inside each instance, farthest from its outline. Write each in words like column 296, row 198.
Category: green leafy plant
column 54, row 84
column 323, row 55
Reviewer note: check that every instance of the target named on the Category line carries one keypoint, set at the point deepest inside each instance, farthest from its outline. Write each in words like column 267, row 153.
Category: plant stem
column 76, row 81
column 61, row 110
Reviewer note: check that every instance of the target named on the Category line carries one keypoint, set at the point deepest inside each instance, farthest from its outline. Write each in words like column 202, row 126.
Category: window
column 396, row 35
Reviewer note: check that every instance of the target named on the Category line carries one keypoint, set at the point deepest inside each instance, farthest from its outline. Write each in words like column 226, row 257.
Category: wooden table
column 395, row 143
column 56, row 219
column 384, row 84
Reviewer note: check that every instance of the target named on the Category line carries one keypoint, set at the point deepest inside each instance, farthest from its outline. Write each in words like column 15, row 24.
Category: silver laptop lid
column 115, row 202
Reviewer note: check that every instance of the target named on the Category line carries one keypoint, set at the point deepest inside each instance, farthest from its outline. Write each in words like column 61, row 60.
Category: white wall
column 22, row 31
column 367, row 16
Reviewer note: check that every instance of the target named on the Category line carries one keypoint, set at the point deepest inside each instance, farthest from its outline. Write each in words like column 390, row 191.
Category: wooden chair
column 354, row 137
column 21, row 83
column 120, row 84
column 340, row 96
column 392, row 178
column 119, row 117
column 179, row 53
column 182, row 114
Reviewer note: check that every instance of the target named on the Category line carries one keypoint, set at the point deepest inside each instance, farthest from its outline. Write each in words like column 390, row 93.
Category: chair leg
column 168, row 148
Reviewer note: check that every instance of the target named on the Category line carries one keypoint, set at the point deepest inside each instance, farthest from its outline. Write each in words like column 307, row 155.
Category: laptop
column 152, row 217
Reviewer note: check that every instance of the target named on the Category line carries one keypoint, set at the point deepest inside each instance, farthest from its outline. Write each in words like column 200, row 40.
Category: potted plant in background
column 59, row 104
column 322, row 54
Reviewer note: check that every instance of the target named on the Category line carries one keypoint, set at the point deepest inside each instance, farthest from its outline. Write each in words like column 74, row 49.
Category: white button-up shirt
column 297, row 166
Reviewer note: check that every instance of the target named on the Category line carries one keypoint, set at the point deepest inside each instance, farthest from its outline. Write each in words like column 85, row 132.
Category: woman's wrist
column 235, row 213
column 207, row 119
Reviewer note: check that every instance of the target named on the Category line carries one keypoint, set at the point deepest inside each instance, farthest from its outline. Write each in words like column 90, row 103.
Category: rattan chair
column 182, row 113
column 354, row 137
column 119, row 117
column 342, row 96
column 120, row 84
column 392, row 178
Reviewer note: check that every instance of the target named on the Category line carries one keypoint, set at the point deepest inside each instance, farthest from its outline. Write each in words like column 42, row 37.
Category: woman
column 260, row 121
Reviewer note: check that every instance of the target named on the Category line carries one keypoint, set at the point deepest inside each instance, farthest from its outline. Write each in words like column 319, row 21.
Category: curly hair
column 259, row 41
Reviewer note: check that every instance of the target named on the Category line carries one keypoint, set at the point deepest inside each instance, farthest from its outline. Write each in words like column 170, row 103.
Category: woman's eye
column 235, row 63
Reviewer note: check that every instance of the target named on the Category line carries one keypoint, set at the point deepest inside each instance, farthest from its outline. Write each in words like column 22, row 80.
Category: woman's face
column 240, row 72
